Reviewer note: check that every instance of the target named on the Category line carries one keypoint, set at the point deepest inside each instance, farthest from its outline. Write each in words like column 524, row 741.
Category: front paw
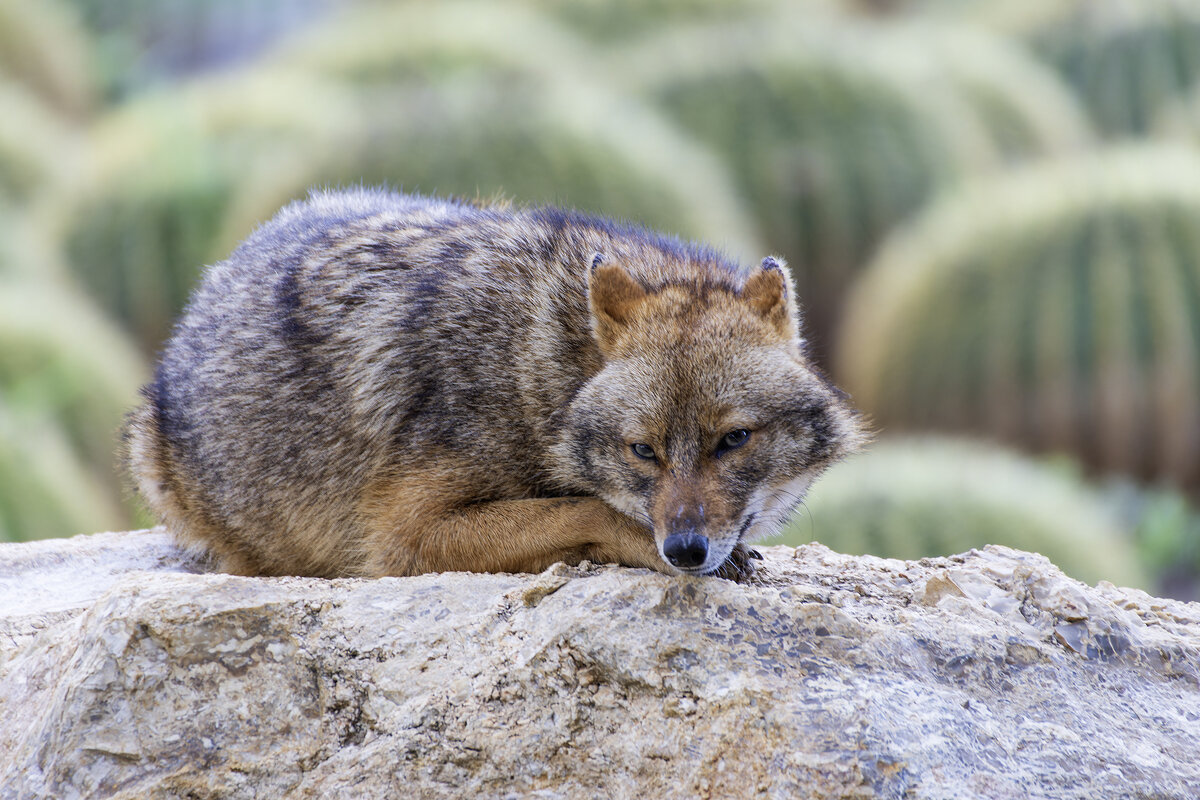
column 739, row 567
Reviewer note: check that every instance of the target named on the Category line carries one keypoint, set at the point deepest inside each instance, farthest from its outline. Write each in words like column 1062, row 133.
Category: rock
column 127, row 671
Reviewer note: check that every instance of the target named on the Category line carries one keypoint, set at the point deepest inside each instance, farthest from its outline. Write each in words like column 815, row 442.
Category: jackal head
column 706, row 421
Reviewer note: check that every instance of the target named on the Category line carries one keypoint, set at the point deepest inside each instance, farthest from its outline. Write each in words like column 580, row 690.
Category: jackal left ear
column 613, row 296
column 769, row 291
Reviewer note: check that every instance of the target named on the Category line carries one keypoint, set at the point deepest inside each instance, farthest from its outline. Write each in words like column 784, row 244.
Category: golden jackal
column 379, row 384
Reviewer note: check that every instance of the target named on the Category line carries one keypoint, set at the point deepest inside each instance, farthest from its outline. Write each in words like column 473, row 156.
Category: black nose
column 686, row 550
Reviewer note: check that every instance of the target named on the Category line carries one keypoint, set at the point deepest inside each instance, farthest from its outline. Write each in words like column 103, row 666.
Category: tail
column 151, row 466
column 145, row 460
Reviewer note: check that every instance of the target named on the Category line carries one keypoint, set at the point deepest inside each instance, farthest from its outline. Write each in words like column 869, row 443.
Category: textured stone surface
column 125, row 672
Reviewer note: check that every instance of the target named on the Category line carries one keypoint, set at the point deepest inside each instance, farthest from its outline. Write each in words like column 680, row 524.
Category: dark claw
column 755, row 554
column 737, row 567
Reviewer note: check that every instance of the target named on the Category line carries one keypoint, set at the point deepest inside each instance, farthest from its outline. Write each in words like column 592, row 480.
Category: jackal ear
column 613, row 296
column 769, row 291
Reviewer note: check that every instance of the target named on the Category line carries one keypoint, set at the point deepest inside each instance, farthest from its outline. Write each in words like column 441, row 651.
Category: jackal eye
column 642, row 450
column 733, row 439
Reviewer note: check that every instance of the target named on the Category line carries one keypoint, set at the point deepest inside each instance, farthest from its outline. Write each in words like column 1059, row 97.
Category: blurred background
column 991, row 209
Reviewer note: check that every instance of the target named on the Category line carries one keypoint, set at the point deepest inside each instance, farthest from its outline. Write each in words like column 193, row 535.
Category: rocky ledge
column 127, row 671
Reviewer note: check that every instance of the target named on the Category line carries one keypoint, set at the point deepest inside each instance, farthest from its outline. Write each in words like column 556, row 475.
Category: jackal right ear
column 769, row 291
column 613, row 296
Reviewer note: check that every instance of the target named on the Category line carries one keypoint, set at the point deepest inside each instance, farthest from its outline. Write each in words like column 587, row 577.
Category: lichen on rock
column 127, row 670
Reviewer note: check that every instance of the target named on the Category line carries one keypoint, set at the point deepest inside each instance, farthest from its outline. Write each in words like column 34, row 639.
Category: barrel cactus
column 1024, row 109
column 476, row 141
column 45, row 489
column 912, row 498
column 61, row 361
column 44, row 47
column 140, row 42
column 617, row 19
column 839, row 131
column 423, row 44
column 1127, row 60
column 1168, row 538
column 470, row 99
column 36, row 148
column 67, row 376
column 145, row 216
column 179, row 179
column 1057, row 309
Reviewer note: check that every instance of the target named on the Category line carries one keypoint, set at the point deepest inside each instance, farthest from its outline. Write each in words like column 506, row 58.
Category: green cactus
column 67, row 377
column 1168, row 538
column 141, row 42
column 44, row 47
column 37, row 151
column 45, row 490
column 422, row 44
column 839, row 131
column 615, row 19
column 61, row 362
column 178, row 180
column 1057, row 309
column 1024, row 109
column 469, row 98
column 145, row 216
column 912, row 498
column 1126, row 60
column 481, row 140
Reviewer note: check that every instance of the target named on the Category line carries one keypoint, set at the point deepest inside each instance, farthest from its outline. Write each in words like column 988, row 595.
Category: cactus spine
column 1057, row 309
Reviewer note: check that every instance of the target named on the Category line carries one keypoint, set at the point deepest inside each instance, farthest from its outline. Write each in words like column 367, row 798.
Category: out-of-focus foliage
column 837, row 133
column 475, row 99
column 1167, row 532
column 78, row 374
column 1127, row 60
column 45, row 49
column 910, row 498
column 1057, row 308
column 67, row 376
column 143, row 44
column 36, row 147
column 177, row 179
column 44, row 488
column 618, row 20
column 868, row 142
column 149, row 209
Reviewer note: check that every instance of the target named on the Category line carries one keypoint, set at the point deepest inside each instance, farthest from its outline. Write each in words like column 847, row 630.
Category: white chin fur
column 717, row 553
column 772, row 505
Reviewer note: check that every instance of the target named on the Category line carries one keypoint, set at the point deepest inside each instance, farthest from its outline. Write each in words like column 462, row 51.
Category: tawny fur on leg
column 413, row 528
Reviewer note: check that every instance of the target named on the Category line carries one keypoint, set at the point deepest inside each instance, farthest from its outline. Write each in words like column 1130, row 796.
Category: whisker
column 773, row 522
column 812, row 523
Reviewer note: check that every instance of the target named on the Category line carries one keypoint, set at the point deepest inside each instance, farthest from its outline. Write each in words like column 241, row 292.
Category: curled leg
column 410, row 533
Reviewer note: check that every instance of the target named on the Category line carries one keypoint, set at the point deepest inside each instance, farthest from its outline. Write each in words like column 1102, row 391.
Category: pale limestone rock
column 126, row 672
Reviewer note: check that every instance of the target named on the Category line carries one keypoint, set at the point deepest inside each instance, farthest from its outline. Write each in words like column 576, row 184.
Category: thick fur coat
column 380, row 384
